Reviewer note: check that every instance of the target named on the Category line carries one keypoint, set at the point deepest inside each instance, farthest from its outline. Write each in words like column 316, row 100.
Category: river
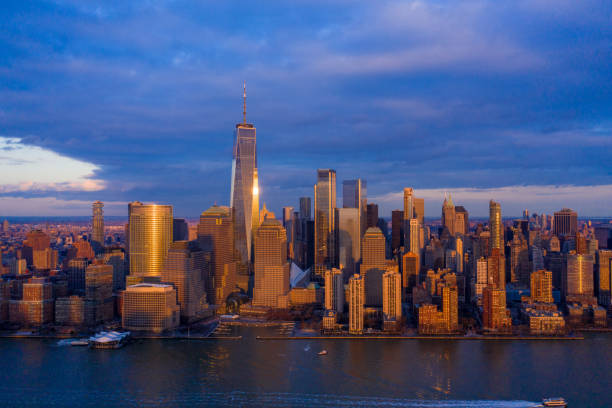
column 282, row 373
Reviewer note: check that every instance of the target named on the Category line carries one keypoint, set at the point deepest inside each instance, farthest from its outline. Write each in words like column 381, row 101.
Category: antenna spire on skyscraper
column 244, row 103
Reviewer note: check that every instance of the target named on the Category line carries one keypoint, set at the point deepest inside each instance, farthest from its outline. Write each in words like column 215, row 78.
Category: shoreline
column 548, row 338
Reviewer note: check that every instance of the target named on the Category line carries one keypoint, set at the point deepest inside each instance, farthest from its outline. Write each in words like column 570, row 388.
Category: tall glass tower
column 97, row 235
column 325, row 203
column 245, row 189
column 150, row 235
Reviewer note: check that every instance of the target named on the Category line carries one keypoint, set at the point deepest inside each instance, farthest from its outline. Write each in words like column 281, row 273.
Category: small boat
column 554, row 402
column 322, row 352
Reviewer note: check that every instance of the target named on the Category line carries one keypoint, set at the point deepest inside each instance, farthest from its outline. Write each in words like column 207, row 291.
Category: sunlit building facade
column 97, row 221
column 324, row 234
column 150, row 235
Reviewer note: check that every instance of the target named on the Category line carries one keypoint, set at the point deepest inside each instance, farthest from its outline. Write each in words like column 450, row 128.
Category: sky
column 123, row 101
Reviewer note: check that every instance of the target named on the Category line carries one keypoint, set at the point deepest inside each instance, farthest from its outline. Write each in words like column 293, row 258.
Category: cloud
column 26, row 167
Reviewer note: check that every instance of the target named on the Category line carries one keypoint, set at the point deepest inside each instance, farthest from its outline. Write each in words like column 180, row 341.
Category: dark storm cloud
column 427, row 94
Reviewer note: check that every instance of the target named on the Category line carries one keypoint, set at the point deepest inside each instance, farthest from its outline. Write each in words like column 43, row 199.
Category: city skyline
column 517, row 119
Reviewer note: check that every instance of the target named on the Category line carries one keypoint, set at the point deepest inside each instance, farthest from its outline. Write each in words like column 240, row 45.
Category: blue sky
column 509, row 100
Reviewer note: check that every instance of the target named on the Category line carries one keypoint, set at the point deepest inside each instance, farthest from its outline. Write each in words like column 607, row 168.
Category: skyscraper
column 565, row 222
column 579, row 276
column 271, row 266
column 419, row 209
column 410, row 271
column 244, row 196
column 183, row 269
column 348, row 233
column 334, row 290
column 397, row 230
column 461, row 220
column 150, row 234
column 305, row 208
column 604, row 265
column 413, row 235
column 373, row 265
column 356, row 303
column 450, row 307
column 354, row 195
column 496, row 269
column 325, row 203
column 495, row 225
column 372, row 216
column 98, row 293
column 97, row 221
column 216, row 238
column 408, row 204
column 448, row 214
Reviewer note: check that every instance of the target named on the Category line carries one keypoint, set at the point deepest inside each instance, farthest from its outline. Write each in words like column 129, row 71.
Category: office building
column 216, row 238
column 372, row 216
column 70, row 311
column 448, row 214
column 419, row 209
column 373, row 265
column 450, row 307
column 305, row 208
column 244, row 197
column 324, row 234
column 334, row 290
column 408, row 204
column 579, row 276
column 184, row 269
column 397, row 231
column 76, row 275
column 150, row 307
column 541, row 286
column 410, row 271
column 354, row 195
column 481, row 280
column 496, row 269
column 180, row 230
column 348, row 239
column 565, row 222
column 150, row 235
column 115, row 256
column 97, row 222
column 604, row 266
column 462, row 221
column 271, row 266
column 36, row 305
column 356, row 304
column 412, row 242
column 99, row 305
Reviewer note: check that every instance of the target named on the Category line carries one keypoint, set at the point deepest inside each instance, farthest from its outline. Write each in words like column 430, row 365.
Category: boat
column 554, row 402
column 79, row 343
column 109, row 340
column 322, row 352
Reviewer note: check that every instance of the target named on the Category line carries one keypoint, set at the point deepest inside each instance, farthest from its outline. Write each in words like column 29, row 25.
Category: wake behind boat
column 552, row 402
column 322, row 352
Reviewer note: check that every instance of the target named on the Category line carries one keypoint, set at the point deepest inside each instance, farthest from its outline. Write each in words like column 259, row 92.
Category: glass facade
column 244, row 196
column 150, row 231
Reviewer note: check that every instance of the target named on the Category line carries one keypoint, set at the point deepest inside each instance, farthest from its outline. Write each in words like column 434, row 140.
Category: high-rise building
column 410, row 271
column 419, row 209
column 450, row 307
column 183, row 269
column 496, row 226
column 392, row 295
column 413, row 236
column 150, row 307
column 115, row 256
column 334, row 290
column 305, row 207
column 408, row 203
column 496, row 269
column 565, row 222
column 397, row 231
column 36, row 306
column 180, row 230
column 448, row 214
column 325, row 203
column 356, row 303
column 373, row 265
column 98, row 293
column 76, row 274
column 481, row 277
column 216, row 238
column 604, row 266
column 37, row 251
column 289, row 223
column 541, row 286
column 462, row 221
column 372, row 216
column 495, row 316
column 348, row 239
column 579, row 276
column 271, row 266
column 150, row 232
column 244, row 196
column 97, row 221
column 354, row 195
